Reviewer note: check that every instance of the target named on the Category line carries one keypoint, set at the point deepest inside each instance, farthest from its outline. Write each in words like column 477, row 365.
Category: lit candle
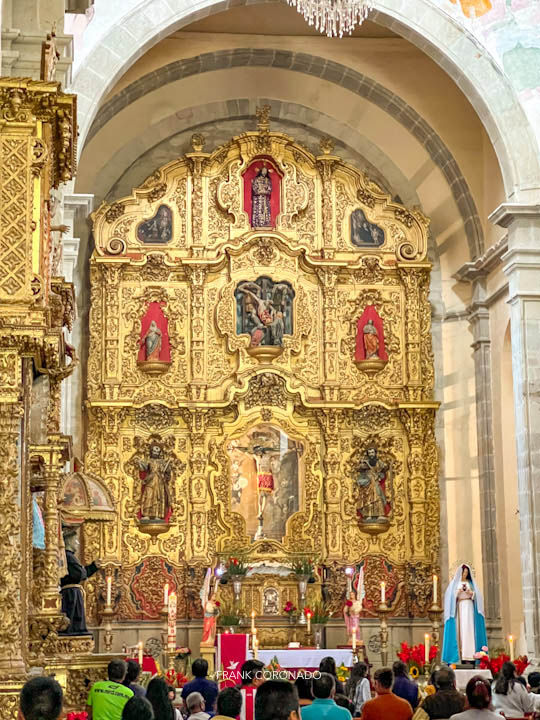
column 383, row 592
column 435, row 589
column 308, row 615
column 426, row 648
column 166, row 594
column 511, row 643
column 171, row 619
column 109, row 589
column 141, row 654
column 255, row 648
column 252, row 620
column 349, row 571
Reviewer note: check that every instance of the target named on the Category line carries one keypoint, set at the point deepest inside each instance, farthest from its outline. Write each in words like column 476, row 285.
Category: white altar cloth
column 305, row 657
column 463, row 676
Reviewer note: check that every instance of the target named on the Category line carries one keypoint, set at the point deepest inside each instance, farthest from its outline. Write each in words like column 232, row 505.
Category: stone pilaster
column 522, row 266
column 478, row 312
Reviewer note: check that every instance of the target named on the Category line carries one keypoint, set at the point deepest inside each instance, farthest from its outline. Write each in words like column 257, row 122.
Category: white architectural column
column 522, row 266
column 76, row 208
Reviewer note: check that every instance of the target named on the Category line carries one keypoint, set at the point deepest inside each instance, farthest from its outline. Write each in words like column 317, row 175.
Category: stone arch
column 325, row 70
column 116, row 46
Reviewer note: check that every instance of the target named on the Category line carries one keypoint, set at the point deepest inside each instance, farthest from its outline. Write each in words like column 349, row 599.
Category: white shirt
column 362, row 694
column 516, row 702
column 477, row 715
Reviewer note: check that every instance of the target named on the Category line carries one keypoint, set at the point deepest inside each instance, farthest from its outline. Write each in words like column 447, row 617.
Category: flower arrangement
column 176, row 679
column 236, row 567
column 415, row 658
column 275, row 668
column 495, row 662
column 83, row 715
column 320, row 613
column 289, row 608
column 303, row 566
column 182, row 653
column 342, row 673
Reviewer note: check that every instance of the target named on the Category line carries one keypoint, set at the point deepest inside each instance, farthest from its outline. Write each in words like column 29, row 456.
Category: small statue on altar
column 152, row 342
column 351, row 615
column 210, row 605
column 464, row 622
column 156, row 500
column 71, row 589
column 371, row 340
column 261, row 193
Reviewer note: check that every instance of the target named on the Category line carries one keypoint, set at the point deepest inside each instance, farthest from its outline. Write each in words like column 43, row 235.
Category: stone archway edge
column 329, row 71
column 118, row 45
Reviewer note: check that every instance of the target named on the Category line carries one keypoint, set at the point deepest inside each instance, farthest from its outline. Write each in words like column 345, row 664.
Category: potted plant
column 230, row 617
column 320, row 615
column 236, row 569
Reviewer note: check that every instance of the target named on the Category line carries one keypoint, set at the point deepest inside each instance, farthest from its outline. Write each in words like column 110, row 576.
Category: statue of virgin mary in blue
column 464, row 622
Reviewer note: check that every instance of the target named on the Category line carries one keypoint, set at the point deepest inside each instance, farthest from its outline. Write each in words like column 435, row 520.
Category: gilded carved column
column 197, row 162
column 328, row 277
column 197, row 421
column 411, row 280
column 329, row 421
column 197, row 277
column 417, row 423
column 326, row 165
column 11, row 561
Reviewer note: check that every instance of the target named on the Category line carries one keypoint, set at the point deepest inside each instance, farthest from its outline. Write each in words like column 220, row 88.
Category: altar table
column 308, row 658
column 463, row 676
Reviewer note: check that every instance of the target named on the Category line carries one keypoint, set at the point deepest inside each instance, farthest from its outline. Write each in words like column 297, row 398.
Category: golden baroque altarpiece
column 229, row 358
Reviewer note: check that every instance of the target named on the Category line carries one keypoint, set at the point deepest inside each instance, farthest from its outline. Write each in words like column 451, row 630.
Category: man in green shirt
column 107, row 698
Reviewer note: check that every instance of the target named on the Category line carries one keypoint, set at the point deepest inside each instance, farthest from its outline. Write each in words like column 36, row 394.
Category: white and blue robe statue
column 464, row 622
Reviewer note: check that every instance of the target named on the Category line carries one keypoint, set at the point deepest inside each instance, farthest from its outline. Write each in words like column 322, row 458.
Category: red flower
column 521, row 663
column 433, row 650
column 348, row 603
column 405, row 653
column 217, row 603
column 308, row 610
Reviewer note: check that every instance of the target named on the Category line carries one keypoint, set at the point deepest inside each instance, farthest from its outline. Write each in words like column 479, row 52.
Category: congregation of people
column 391, row 696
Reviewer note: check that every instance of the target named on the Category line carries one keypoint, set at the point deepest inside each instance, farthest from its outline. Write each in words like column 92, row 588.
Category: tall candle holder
column 302, row 590
column 434, row 614
column 107, row 615
column 383, row 611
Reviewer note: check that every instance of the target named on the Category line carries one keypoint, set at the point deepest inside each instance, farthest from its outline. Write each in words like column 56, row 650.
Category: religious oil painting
column 363, row 232
column 266, row 479
column 264, row 310
column 158, row 229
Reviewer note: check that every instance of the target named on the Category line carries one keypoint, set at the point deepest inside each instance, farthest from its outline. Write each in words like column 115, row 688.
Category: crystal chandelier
column 333, row 17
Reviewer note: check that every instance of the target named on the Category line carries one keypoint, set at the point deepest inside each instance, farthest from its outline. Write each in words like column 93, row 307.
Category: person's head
column 323, row 686
column 41, row 699
column 382, row 680
column 157, row 694
column 137, row 708
column 116, row 670
column 534, row 680
column 277, row 700
column 229, row 702
column 445, row 679
column 264, row 171
column 195, row 703
column 155, row 451
column 303, row 687
column 172, row 693
column 71, row 540
column 372, row 455
column 133, row 671
column 465, row 572
column 478, row 693
column 328, row 665
column 400, row 669
column 359, row 670
column 251, row 672
column 506, row 678
column 343, row 701
column 200, row 668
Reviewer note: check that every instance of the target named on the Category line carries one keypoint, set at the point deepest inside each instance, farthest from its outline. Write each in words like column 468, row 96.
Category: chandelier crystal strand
column 333, row 17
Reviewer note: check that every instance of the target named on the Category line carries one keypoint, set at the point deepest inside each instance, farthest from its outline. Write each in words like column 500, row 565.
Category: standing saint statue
column 464, row 622
column 371, row 480
column 371, row 340
column 210, row 606
column 261, row 193
column 71, row 588
column 152, row 342
column 154, row 465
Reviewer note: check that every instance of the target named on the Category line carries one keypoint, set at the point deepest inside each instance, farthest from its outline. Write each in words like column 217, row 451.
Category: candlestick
column 252, row 620
column 308, row 617
column 171, row 620
column 383, row 592
column 255, row 648
column 435, row 589
column 166, row 594
column 109, row 590
column 141, row 654
column 511, row 643
column 426, row 649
